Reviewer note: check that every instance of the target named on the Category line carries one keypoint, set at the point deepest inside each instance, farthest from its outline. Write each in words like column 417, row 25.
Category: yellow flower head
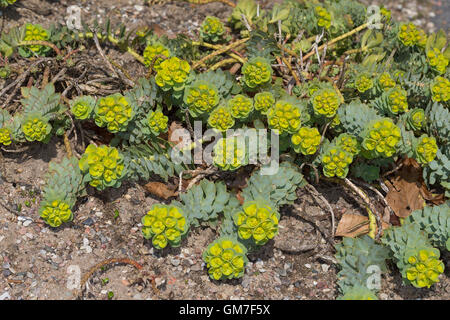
column 263, row 101
column 157, row 122
column 212, row 29
column 398, row 100
column 386, row 82
column 225, row 258
column 35, row 32
column 221, row 118
column 437, row 60
column 256, row 72
column 410, row 35
column 114, row 112
column 240, row 106
column 229, row 154
column 335, row 162
column 201, row 97
column 284, row 117
column 5, row 136
column 381, row 138
column 56, row 212
column 363, row 82
column 36, row 129
column 426, row 149
column 440, row 89
column 306, row 140
column 323, row 17
column 172, row 74
column 424, row 268
column 164, row 224
column 325, row 102
column 151, row 52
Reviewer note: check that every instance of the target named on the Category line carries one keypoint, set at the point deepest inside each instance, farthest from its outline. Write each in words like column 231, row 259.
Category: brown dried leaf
column 353, row 225
column 161, row 190
column 404, row 194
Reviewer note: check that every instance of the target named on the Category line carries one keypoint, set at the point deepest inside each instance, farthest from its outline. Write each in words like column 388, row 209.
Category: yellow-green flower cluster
column 348, row 142
column 225, row 258
column 426, row 149
column 103, row 165
column 82, row 107
column 381, row 138
column 325, row 103
column 35, row 128
column 437, row 60
column 221, row 119
column 385, row 13
column 172, row 74
column 306, row 140
column 257, row 221
column 398, row 100
column 212, row 29
column 157, row 122
column 425, row 268
column 56, row 212
column 440, row 89
column 240, row 106
column 201, row 97
column 164, row 224
column 114, row 111
column 151, row 52
column 335, row 162
column 256, row 72
column 410, row 35
column 35, row 32
column 363, row 82
column 5, row 136
column 416, row 119
column 323, row 17
column 358, row 293
column 386, row 82
column 284, row 117
column 263, row 101
column 5, row 3
column 228, row 154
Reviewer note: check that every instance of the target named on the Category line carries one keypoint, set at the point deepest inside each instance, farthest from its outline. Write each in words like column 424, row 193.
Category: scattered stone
column 325, row 267
column 88, row 222
column 175, row 262
column 5, row 296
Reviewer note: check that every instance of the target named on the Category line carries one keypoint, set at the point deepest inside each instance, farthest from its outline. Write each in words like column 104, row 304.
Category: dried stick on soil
column 103, row 263
column 316, row 193
column 219, row 51
column 378, row 193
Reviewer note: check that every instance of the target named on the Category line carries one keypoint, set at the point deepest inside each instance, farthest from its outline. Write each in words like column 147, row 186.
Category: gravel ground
column 36, row 261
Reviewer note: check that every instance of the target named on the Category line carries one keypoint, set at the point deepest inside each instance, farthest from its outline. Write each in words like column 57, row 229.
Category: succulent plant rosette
column 201, row 97
column 154, row 54
column 225, row 258
column 212, row 29
column 172, row 75
column 165, row 225
column 113, row 112
column 257, row 72
column 103, row 166
column 82, row 107
column 230, row 153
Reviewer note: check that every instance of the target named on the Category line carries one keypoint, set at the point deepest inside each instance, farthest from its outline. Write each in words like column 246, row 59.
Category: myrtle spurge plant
column 426, row 149
column 284, row 116
column 437, row 60
column 323, row 17
column 381, row 138
column 114, row 112
column 409, row 35
column 325, row 103
column 416, row 259
column 221, row 118
column 256, row 72
column 35, row 32
column 440, row 89
column 335, row 162
column 225, row 258
column 201, row 97
column 82, row 107
column 172, row 75
column 280, row 69
column 157, row 122
column 397, row 98
column 257, row 221
column 212, row 29
column 306, row 140
column 154, row 54
column 103, row 166
column 5, row 136
column 349, row 143
column 240, row 106
column 363, row 82
column 386, row 82
column 165, row 225
column 5, row 3
column 229, row 154
column 358, row 293
column 263, row 101
column 36, row 128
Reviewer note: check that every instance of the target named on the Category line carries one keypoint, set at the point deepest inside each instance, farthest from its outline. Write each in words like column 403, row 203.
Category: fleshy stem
column 41, row 43
column 288, row 65
column 227, row 2
column 222, row 49
column 217, row 47
column 222, row 63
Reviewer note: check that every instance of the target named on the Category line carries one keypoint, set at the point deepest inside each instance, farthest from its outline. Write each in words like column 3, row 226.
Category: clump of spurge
column 35, row 32
column 157, row 122
column 5, row 136
column 335, row 162
column 5, row 3
column 82, row 107
column 440, row 89
column 103, row 166
column 114, row 112
column 306, row 140
column 229, row 154
column 240, row 106
column 257, row 221
column 165, row 225
column 36, row 128
column 225, row 258
column 325, row 103
column 263, row 101
column 381, row 138
column 212, row 29
column 284, row 116
column 154, row 54
column 172, row 75
column 256, row 72
column 221, row 118
column 201, row 97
